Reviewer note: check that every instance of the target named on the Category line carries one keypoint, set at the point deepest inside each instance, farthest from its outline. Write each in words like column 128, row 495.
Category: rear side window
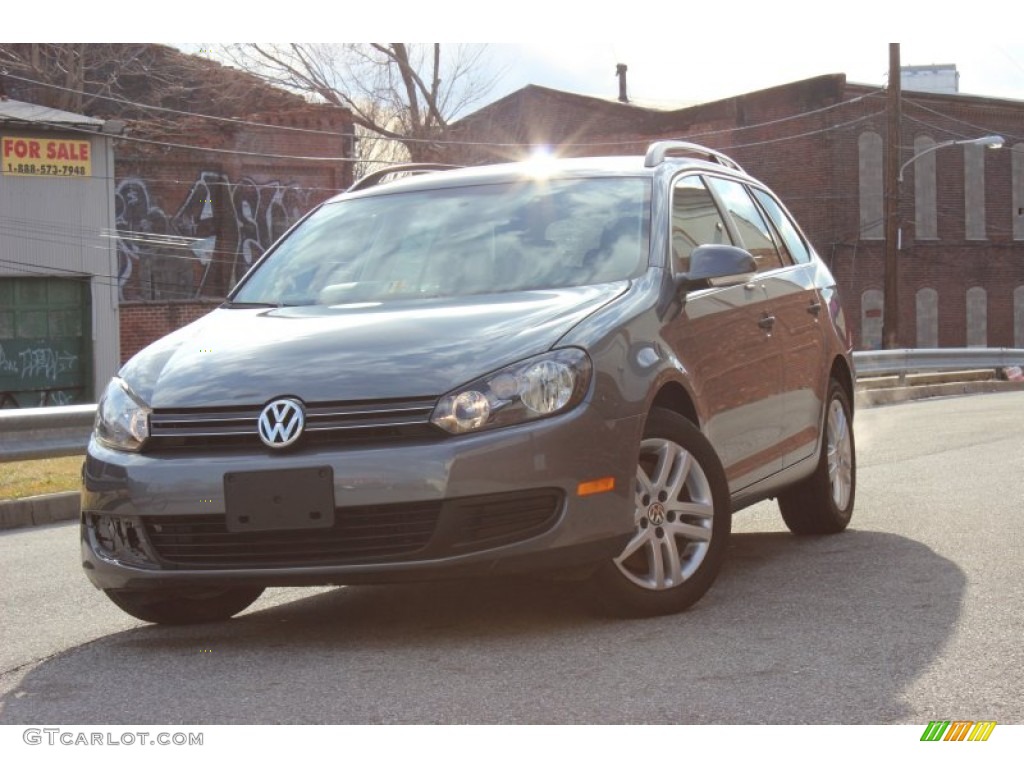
column 695, row 221
column 795, row 244
column 754, row 231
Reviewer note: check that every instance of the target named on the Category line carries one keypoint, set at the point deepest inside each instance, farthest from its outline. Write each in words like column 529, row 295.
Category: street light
column 992, row 142
column 894, row 236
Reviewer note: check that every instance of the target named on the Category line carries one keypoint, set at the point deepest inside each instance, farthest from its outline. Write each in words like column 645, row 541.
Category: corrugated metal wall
column 63, row 226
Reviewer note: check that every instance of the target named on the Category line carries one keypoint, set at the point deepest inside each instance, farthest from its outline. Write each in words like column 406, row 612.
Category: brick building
column 214, row 164
column 58, row 303
column 819, row 144
column 191, row 221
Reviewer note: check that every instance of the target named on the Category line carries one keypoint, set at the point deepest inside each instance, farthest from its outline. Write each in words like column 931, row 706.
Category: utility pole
column 891, row 309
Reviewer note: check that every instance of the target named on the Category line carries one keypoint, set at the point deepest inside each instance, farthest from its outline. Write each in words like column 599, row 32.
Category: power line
column 922, row 107
column 111, row 281
column 836, row 127
column 456, row 142
column 151, row 107
column 174, row 145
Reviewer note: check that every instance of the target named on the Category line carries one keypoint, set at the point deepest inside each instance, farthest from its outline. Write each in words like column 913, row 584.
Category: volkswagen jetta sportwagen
column 584, row 364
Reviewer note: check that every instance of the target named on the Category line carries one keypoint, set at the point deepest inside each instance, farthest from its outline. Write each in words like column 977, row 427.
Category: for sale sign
column 24, row 156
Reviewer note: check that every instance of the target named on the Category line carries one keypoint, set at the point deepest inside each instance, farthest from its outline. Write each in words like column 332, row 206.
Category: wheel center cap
column 656, row 513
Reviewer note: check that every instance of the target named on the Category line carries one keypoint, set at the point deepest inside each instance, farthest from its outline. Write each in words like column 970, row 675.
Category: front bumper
column 495, row 502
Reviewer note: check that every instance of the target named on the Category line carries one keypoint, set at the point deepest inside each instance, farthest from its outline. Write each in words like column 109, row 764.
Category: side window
column 695, row 221
column 754, row 231
column 790, row 236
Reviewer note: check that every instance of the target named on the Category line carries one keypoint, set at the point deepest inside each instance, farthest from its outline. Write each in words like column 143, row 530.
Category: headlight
column 122, row 421
column 532, row 389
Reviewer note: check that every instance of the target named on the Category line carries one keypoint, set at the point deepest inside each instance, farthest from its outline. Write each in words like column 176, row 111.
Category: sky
column 987, row 68
column 677, row 53
column 681, row 52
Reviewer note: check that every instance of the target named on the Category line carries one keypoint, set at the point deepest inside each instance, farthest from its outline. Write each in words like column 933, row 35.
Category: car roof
column 539, row 166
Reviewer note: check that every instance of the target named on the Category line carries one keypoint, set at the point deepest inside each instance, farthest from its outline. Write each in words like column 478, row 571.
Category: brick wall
column 142, row 323
column 191, row 222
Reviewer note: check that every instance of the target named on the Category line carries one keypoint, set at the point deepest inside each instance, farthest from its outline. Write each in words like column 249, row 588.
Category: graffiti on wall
column 37, row 373
column 234, row 221
column 137, row 220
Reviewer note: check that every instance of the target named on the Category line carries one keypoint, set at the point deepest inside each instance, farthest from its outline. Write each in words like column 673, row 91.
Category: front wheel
column 185, row 606
column 682, row 518
column 823, row 503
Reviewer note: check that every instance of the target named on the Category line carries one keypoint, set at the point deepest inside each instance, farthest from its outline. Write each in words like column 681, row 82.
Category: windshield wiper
column 264, row 304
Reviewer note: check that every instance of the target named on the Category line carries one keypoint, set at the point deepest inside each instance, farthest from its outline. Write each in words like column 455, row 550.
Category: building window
column 925, row 222
column 872, row 217
column 871, row 302
column 927, row 318
column 1017, row 162
column 977, row 317
column 974, row 191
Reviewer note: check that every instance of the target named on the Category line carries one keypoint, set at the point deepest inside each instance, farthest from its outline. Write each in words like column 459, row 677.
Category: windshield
column 461, row 241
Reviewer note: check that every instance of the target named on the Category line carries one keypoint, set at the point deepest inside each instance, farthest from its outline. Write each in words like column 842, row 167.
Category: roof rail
column 413, row 169
column 658, row 150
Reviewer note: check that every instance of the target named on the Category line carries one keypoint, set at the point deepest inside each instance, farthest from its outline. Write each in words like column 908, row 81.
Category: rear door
column 800, row 318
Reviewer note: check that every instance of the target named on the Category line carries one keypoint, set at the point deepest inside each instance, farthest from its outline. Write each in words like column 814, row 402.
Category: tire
column 682, row 516
column 823, row 503
column 191, row 606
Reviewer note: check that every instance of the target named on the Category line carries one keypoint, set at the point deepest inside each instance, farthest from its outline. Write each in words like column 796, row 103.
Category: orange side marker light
column 590, row 487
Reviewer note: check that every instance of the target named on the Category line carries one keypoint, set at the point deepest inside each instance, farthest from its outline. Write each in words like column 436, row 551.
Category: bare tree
column 405, row 93
column 71, row 67
column 124, row 80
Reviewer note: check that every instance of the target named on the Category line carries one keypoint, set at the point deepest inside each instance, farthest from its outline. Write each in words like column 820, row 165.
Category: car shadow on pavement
column 796, row 630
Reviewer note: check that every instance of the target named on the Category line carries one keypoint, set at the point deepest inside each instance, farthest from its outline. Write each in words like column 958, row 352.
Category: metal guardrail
column 890, row 362
column 36, row 433
column 43, row 433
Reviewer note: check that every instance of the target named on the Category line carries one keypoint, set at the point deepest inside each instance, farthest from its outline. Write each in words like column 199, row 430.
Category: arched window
column 871, row 305
column 925, row 224
column 974, row 191
column 872, row 216
column 977, row 317
column 927, row 318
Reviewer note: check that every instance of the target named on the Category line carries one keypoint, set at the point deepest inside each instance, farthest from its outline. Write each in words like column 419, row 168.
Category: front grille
column 374, row 533
column 325, row 423
column 359, row 533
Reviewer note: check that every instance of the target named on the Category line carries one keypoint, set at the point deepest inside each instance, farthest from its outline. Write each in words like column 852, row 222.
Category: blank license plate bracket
column 279, row 499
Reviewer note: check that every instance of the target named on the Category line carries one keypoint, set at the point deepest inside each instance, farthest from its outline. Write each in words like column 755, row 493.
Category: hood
column 247, row 356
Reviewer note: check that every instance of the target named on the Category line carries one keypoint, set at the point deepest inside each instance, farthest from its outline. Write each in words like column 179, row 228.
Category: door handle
column 814, row 308
column 767, row 322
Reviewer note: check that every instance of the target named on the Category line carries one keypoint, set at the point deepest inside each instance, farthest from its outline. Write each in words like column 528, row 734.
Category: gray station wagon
column 583, row 366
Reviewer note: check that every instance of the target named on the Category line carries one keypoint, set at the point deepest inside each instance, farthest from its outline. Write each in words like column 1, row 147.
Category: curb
column 39, row 510
column 867, row 398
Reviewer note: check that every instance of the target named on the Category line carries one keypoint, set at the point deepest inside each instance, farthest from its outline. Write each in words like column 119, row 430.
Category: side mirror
column 717, row 265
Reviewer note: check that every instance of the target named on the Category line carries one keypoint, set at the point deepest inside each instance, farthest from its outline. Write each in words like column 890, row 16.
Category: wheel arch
column 843, row 374
column 674, row 397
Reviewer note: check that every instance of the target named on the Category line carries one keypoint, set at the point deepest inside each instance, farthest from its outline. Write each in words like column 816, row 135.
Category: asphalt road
column 914, row 614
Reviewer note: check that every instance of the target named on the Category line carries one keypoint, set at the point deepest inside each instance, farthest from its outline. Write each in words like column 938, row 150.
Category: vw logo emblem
column 656, row 514
column 281, row 423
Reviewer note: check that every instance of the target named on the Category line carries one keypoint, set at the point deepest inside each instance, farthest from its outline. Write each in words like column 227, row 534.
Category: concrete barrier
column 39, row 510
